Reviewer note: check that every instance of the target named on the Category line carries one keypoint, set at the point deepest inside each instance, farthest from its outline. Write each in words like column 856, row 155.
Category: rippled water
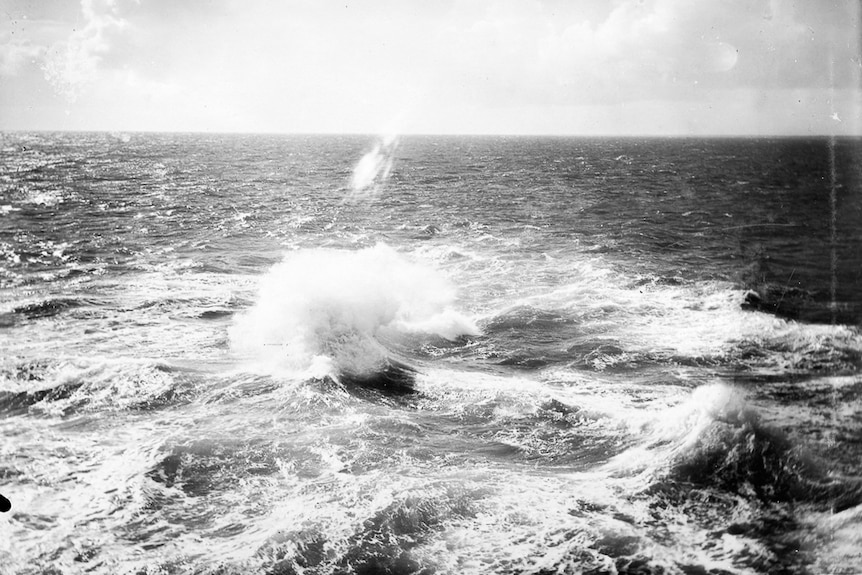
column 262, row 354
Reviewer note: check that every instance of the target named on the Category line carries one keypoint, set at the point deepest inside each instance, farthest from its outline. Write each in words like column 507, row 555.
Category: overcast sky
column 580, row 67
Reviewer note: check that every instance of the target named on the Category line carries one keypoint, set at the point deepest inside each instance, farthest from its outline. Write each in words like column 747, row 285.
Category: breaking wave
column 330, row 312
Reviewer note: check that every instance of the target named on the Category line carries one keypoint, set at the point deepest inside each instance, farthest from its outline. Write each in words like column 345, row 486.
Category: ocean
column 225, row 354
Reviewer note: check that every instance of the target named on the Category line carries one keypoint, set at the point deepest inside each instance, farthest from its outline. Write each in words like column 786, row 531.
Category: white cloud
column 455, row 65
column 651, row 49
column 71, row 65
column 15, row 55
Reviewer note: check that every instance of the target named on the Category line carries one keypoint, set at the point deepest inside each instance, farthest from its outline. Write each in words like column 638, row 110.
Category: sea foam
column 321, row 311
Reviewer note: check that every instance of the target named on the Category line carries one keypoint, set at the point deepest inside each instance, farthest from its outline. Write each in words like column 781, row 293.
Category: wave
column 511, row 418
column 385, row 542
column 747, row 491
column 51, row 307
column 76, row 385
column 608, row 321
column 326, row 312
column 717, row 440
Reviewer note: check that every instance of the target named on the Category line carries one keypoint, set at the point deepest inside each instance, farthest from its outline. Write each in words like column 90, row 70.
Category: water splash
column 320, row 310
column 372, row 171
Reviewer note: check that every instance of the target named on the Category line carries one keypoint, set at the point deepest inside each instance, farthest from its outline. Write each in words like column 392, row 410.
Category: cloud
column 456, row 65
column 71, row 65
column 15, row 55
column 648, row 49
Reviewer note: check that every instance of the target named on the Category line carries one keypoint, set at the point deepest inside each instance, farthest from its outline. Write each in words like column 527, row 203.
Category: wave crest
column 324, row 311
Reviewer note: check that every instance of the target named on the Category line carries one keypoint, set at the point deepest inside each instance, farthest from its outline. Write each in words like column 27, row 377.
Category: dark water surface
column 320, row 354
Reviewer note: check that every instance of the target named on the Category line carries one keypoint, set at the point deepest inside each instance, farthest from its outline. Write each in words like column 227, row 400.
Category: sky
column 568, row 67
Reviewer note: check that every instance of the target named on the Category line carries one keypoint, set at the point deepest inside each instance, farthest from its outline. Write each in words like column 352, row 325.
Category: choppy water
column 248, row 354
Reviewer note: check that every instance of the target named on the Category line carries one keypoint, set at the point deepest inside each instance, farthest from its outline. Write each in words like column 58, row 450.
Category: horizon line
column 438, row 134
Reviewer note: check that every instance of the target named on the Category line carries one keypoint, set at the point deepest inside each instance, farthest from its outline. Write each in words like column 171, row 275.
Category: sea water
column 321, row 354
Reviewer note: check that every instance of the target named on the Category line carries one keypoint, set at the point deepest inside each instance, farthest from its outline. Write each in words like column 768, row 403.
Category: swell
column 52, row 307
